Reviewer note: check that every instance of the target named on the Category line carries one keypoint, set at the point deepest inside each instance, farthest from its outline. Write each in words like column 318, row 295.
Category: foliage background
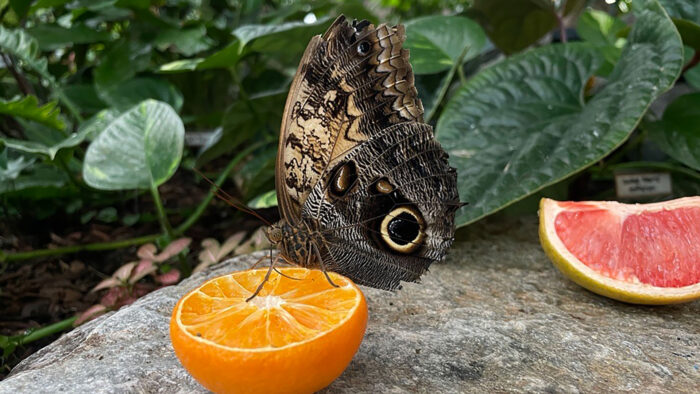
column 110, row 108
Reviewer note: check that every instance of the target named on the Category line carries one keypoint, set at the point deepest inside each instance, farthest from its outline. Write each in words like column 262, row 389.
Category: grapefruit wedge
column 637, row 253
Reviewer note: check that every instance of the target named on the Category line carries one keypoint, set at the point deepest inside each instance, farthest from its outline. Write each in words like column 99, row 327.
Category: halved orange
column 296, row 336
column 638, row 253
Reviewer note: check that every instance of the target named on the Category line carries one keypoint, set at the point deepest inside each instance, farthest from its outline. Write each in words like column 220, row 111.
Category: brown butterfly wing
column 352, row 83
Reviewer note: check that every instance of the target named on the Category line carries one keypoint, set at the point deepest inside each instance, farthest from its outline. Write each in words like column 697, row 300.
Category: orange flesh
column 283, row 313
column 660, row 248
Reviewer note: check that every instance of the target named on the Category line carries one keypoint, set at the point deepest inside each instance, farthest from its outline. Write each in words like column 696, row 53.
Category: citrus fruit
column 638, row 253
column 296, row 336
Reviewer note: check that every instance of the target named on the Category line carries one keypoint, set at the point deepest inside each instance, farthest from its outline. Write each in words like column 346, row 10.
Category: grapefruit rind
column 583, row 275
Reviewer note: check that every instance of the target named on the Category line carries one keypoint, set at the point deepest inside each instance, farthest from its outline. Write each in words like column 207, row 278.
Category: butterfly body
column 363, row 187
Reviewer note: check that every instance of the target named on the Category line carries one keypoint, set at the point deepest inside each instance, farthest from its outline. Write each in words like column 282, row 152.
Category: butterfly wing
column 398, row 216
column 352, row 83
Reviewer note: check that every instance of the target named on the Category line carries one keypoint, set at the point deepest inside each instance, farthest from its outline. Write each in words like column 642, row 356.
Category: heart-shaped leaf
column 436, row 42
column 140, row 149
column 523, row 124
column 678, row 132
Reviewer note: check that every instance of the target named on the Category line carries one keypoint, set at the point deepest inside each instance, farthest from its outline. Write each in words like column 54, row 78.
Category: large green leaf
column 523, row 124
column 686, row 16
column 513, row 25
column 140, row 149
column 52, row 37
column 437, row 42
column 678, row 132
column 29, row 108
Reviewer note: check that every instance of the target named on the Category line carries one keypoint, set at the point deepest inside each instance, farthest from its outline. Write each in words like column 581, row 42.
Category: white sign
column 642, row 184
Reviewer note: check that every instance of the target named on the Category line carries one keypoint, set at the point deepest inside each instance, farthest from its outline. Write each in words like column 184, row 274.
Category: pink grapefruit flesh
column 640, row 253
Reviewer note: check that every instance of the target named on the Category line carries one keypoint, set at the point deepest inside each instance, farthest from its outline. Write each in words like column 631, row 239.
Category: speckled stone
column 496, row 316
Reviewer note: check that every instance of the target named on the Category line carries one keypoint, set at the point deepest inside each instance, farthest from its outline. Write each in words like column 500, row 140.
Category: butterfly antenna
column 227, row 198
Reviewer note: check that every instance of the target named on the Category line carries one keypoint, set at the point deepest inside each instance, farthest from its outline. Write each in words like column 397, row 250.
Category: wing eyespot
column 343, row 179
column 403, row 229
column 363, row 48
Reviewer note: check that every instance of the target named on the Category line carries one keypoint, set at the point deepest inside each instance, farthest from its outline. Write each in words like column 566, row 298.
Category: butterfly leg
column 267, row 277
column 320, row 262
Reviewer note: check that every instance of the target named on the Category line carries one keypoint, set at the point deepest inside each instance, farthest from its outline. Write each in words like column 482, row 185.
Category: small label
column 642, row 184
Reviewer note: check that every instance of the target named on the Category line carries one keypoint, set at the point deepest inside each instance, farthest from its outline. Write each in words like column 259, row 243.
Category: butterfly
column 363, row 187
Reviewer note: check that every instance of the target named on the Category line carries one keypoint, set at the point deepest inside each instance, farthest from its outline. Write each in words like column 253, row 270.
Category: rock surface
column 496, row 316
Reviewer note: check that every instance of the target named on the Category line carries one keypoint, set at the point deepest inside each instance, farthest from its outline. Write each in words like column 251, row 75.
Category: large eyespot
column 363, row 48
column 343, row 178
column 403, row 229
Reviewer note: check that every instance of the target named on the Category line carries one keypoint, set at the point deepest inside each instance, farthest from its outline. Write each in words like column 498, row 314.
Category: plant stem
column 447, row 82
column 46, row 331
column 19, row 78
column 10, row 257
column 162, row 218
column 212, row 191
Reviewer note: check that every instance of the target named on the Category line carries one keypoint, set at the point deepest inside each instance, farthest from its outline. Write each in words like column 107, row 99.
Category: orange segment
column 292, row 328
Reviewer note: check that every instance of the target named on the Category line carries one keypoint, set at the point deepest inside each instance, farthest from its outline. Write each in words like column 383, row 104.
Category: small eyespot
column 384, row 186
column 363, row 48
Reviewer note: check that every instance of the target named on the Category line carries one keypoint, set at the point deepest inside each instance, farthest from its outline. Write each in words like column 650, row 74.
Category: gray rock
column 496, row 316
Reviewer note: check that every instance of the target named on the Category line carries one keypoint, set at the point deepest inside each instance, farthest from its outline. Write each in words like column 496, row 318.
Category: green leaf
column 244, row 120
column 140, row 149
column 85, row 97
column 686, row 16
column 185, row 41
column 21, row 7
column 121, row 63
column 12, row 165
column 692, row 76
column 599, row 28
column 265, row 200
column 52, row 37
column 227, row 57
column 603, row 31
column 513, row 25
column 43, row 141
column 28, row 108
column 678, row 132
column 18, row 43
column 436, row 42
column 289, row 37
column 523, row 124
column 95, row 125
column 129, row 93
column 35, row 183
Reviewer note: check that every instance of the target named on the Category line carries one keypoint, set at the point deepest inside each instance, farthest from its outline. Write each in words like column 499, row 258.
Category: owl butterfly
column 363, row 187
